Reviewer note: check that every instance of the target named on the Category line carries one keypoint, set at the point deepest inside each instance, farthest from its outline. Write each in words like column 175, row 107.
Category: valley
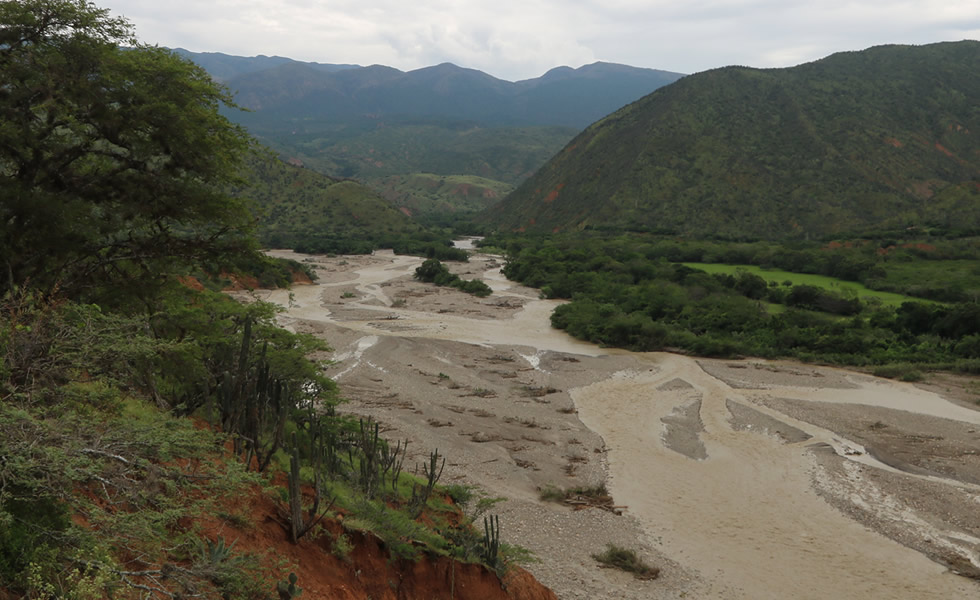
column 740, row 479
column 594, row 399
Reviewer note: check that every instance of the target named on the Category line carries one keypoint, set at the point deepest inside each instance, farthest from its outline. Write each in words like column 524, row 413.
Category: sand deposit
column 741, row 479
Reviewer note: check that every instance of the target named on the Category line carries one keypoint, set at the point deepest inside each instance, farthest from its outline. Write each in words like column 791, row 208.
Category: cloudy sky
column 518, row 39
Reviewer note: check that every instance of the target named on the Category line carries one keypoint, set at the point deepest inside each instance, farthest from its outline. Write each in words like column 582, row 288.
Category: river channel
column 736, row 501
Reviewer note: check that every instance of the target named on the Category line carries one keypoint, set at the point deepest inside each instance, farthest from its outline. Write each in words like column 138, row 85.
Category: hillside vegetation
column 408, row 161
column 145, row 419
column 298, row 207
column 368, row 151
column 438, row 198
column 883, row 138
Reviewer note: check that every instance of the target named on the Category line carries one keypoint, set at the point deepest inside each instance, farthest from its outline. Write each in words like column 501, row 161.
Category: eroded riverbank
column 742, row 479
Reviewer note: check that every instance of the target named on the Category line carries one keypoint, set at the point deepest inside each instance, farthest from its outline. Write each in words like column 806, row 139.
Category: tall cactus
column 491, row 541
column 421, row 493
column 296, row 520
column 298, row 524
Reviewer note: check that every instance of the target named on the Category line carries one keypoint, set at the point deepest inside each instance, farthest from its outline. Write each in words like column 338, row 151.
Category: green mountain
column 883, row 138
column 223, row 67
column 285, row 93
column 405, row 146
column 300, row 208
column 437, row 198
column 398, row 158
column 372, row 123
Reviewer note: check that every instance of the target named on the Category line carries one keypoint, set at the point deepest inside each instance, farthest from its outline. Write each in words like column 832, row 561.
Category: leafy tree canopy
column 113, row 160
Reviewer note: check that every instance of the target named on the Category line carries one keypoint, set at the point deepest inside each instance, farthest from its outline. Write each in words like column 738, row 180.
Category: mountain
column 882, row 138
column 280, row 91
column 377, row 122
column 438, row 198
column 299, row 207
column 223, row 67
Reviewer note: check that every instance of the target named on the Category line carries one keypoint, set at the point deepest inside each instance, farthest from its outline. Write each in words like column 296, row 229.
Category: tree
column 113, row 160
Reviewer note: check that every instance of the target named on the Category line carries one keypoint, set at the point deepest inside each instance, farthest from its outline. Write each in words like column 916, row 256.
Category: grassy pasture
column 840, row 286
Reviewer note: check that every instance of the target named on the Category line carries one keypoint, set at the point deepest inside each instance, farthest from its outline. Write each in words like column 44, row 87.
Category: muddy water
column 745, row 516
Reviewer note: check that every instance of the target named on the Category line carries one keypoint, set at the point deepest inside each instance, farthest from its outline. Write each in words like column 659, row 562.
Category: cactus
column 421, row 493
column 491, row 541
column 298, row 524
column 287, row 589
column 391, row 462
column 295, row 495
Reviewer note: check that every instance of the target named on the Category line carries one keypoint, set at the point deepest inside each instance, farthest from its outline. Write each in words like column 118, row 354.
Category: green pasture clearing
column 840, row 286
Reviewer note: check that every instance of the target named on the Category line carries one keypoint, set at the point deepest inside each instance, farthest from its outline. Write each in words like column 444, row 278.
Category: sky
column 521, row 39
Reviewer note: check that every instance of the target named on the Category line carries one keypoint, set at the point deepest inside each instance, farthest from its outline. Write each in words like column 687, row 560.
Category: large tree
column 113, row 156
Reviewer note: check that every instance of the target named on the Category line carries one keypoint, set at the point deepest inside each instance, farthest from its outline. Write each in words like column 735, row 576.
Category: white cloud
column 516, row 39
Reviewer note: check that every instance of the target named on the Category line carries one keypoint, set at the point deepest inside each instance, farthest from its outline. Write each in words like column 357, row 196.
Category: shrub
column 459, row 493
column 902, row 371
column 626, row 560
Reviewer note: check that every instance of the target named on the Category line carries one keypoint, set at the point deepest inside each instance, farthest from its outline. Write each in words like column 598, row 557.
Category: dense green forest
column 136, row 407
column 883, row 138
column 632, row 292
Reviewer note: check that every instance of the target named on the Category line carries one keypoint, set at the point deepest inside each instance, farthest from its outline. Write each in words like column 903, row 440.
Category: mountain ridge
column 377, row 122
column 876, row 138
column 278, row 89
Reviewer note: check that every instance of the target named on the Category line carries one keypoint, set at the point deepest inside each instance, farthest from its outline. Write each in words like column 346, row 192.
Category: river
column 743, row 512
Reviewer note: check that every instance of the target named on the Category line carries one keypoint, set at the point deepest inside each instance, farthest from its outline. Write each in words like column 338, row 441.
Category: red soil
column 239, row 282
column 553, row 195
column 191, row 282
column 367, row 572
column 300, row 278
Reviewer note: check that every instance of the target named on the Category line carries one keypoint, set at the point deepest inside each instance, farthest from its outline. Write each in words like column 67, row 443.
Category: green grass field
column 845, row 288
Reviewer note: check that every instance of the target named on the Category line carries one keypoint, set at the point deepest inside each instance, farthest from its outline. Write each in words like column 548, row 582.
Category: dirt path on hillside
column 743, row 479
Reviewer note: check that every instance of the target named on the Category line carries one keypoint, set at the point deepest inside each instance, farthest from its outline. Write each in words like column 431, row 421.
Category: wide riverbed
column 753, row 476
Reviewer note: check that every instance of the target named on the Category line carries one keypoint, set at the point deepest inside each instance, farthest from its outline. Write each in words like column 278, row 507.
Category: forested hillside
column 159, row 439
column 883, row 138
column 301, row 208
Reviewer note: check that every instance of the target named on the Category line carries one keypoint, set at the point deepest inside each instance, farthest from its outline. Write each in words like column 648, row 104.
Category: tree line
column 624, row 293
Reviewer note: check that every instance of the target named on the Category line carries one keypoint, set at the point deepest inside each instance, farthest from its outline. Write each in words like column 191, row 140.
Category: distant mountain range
column 884, row 138
column 394, row 130
column 279, row 89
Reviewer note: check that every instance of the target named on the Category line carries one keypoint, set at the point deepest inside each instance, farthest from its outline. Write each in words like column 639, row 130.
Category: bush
column 433, row 271
column 460, row 494
column 626, row 560
column 902, row 371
